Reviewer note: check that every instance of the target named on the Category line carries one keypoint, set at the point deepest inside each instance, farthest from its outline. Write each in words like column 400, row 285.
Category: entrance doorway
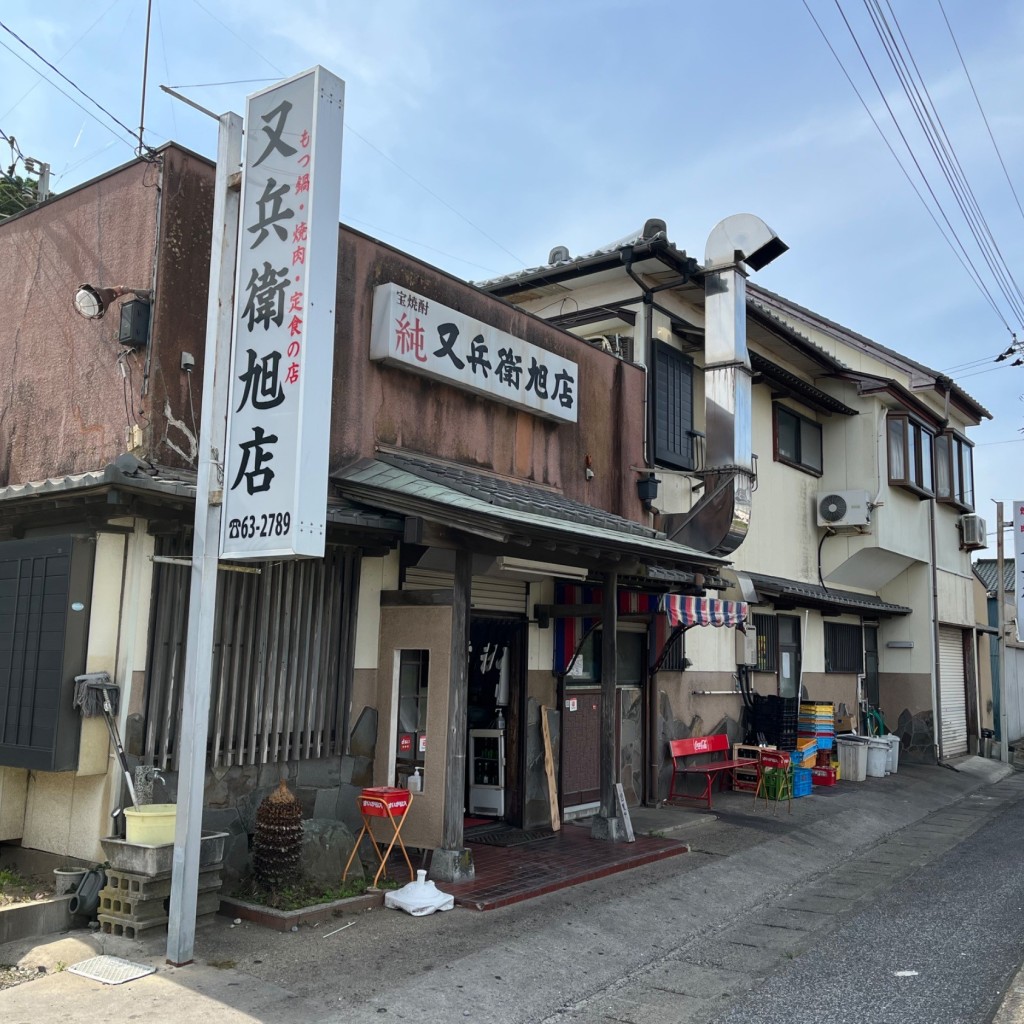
column 495, row 715
column 581, row 721
column 789, row 655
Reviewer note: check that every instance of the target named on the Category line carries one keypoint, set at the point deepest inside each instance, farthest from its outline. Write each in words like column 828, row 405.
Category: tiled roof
column 815, row 596
column 130, row 474
column 517, row 497
column 987, row 570
column 464, row 499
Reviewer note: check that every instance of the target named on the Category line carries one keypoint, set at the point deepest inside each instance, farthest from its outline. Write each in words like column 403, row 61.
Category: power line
column 930, row 122
column 79, row 37
column 53, row 67
column 981, row 110
column 67, row 95
column 913, row 156
column 962, row 259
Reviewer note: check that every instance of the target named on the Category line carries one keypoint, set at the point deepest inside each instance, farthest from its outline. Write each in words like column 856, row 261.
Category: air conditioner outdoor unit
column 843, row 508
column 972, row 532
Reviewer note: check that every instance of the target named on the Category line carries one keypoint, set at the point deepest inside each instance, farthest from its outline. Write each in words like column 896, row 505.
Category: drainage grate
column 111, row 970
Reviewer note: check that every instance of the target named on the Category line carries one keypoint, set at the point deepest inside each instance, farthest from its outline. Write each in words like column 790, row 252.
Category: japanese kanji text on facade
column 1018, row 578
column 428, row 338
column 279, row 413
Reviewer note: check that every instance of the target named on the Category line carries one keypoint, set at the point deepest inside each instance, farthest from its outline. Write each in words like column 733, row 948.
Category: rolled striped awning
column 703, row 611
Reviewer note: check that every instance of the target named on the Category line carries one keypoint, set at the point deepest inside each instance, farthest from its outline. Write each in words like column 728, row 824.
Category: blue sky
column 481, row 134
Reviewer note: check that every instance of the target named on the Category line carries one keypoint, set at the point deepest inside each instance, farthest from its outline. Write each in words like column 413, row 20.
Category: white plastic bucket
column 853, row 759
column 893, row 763
column 878, row 756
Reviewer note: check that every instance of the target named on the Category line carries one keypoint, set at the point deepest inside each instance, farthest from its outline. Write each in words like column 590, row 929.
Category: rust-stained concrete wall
column 65, row 411
column 386, row 405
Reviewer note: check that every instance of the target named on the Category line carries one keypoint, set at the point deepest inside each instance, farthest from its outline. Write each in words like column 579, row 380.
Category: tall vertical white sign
column 279, row 411
column 1018, row 573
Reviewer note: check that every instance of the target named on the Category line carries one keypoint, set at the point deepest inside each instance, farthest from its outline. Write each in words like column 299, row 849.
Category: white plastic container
column 892, row 765
column 878, row 757
column 853, row 758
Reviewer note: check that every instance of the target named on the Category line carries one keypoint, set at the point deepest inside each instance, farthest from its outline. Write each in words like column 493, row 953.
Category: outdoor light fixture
column 93, row 302
column 133, row 330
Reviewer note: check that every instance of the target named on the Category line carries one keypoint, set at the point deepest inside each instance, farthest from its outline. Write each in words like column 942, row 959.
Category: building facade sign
column 279, row 412
column 1018, row 576
column 428, row 338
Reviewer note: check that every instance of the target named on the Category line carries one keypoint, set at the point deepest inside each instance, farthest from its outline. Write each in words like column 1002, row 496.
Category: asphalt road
column 938, row 947
column 813, row 916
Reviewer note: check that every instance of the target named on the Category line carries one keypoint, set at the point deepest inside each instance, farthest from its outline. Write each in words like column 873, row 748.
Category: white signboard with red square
column 426, row 337
column 279, row 413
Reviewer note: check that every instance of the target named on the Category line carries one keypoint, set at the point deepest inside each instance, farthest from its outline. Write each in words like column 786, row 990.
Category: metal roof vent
column 560, row 254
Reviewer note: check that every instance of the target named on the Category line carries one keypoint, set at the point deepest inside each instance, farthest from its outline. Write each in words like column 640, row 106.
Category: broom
column 95, row 695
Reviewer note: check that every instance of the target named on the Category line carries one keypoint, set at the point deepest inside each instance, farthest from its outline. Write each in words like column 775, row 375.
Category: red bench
column 717, row 767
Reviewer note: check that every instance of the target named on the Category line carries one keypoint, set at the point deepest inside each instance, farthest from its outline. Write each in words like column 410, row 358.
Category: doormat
column 506, row 835
column 474, row 822
column 111, row 970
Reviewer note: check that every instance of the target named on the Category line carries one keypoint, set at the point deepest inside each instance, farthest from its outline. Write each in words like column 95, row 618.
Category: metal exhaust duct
column 719, row 521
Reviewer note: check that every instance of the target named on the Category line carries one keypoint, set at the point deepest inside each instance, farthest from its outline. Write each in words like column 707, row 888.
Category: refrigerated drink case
column 487, row 772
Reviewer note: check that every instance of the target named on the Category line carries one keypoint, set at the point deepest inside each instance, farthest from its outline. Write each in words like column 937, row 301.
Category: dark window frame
column 844, row 647
column 803, row 426
column 918, row 456
column 767, row 642
column 957, row 452
column 673, row 407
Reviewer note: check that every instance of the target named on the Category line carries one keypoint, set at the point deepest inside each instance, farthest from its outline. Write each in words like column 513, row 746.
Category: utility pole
column 1004, row 739
column 181, row 927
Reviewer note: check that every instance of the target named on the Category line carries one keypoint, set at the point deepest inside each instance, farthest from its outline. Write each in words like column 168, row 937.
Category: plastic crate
column 802, row 781
column 773, row 781
column 825, row 741
column 823, row 776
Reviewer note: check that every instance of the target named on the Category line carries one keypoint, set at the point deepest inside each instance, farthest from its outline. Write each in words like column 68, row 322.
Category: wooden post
column 453, row 862
column 607, row 824
column 549, row 770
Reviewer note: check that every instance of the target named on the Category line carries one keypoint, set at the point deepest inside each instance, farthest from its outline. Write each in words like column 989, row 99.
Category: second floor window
column 797, row 440
column 673, row 403
column 954, row 470
column 910, row 455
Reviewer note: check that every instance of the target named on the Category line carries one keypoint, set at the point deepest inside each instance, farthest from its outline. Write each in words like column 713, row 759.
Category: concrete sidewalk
column 245, row 973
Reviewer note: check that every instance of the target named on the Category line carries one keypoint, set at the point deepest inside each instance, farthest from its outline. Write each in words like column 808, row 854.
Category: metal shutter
column 952, row 693
column 490, row 594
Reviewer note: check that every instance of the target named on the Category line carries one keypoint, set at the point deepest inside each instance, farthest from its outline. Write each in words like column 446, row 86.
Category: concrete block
column 326, row 846
column 363, row 742
column 322, row 773
column 357, row 771
column 327, row 803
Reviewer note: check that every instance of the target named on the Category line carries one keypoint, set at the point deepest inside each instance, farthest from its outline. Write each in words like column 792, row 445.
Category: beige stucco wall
column 416, row 628
column 13, row 795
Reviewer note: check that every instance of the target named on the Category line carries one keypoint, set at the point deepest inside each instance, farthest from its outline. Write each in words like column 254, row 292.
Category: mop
column 95, row 695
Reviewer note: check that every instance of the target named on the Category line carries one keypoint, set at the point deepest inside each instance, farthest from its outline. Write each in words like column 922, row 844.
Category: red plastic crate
column 396, row 799
column 823, row 776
